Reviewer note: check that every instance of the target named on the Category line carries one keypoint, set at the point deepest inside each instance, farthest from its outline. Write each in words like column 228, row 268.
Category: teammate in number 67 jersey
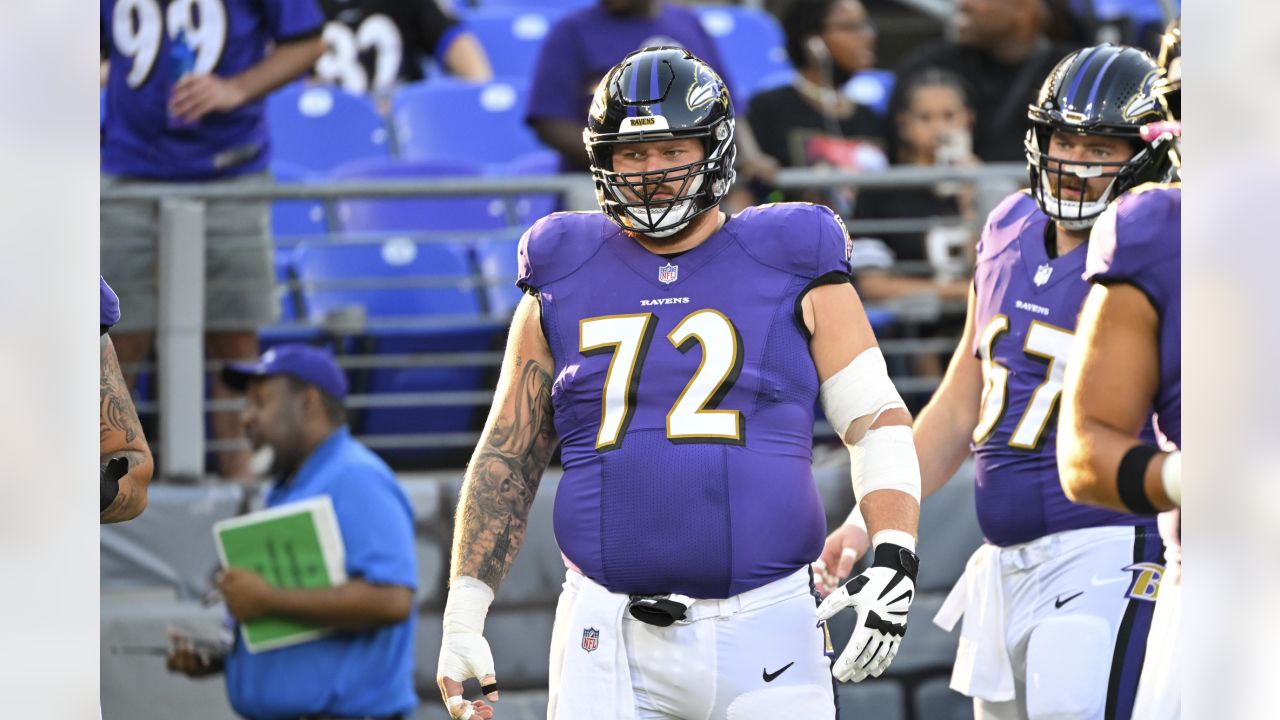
column 1057, row 602
column 678, row 354
column 1128, row 358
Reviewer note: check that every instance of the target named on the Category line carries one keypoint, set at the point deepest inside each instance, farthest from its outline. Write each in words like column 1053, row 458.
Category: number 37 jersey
column 1025, row 312
column 683, row 394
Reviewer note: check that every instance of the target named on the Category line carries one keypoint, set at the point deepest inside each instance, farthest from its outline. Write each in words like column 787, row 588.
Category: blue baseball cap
column 312, row 365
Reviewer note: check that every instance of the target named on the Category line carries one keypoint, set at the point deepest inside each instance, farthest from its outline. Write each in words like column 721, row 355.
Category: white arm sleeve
column 885, row 459
column 861, row 389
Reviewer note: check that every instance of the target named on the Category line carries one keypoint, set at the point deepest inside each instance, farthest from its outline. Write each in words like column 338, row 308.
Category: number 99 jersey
column 1025, row 311
column 144, row 41
column 683, row 393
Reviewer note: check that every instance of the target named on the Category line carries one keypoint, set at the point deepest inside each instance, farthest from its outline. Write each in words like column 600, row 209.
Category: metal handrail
column 895, row 176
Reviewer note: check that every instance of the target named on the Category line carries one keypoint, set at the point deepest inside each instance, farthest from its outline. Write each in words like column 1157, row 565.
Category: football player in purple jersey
column 123, row 451
column 1128, row 359
column 678, row 354
column 1057, row 602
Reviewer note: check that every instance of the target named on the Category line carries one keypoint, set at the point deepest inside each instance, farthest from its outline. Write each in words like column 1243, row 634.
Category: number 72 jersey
column 1025, row 312
column 683, row 394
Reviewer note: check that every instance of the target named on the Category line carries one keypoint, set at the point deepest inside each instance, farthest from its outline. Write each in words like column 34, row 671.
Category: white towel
column 983, row 668
column 595, row 682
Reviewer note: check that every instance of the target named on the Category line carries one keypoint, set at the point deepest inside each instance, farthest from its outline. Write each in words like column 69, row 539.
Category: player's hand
column 195, row 96
column 466, row 655
column 130, row 501
column 844, row 546
column 187, row 658
column 247, row 594
column 882, row 596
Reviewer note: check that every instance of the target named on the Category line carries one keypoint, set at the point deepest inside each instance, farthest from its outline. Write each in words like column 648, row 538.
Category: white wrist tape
column 457, row 704
column 861, row 389
column 1171, row 476
column 467, row 605
column 885, row 459
column 897, row 537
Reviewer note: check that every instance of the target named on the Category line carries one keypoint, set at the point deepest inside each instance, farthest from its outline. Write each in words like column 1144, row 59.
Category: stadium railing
column 180, row 405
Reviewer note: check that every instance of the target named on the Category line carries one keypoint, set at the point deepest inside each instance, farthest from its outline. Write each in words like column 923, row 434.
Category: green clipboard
column 297, row 545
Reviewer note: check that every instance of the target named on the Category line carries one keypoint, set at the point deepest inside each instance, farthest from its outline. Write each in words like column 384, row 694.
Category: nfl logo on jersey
column 1042, row 274
column 590, row 639
column 667, row 273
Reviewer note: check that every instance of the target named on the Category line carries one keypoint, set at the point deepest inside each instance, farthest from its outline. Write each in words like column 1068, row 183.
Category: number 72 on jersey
column 695, row 416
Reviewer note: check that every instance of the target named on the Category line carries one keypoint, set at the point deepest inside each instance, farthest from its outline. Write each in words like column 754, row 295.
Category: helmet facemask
column 628, row 198
column 1048, row 174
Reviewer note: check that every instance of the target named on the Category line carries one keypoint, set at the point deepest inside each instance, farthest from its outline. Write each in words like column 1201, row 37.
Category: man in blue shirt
column 185, row 89
column 365, row 669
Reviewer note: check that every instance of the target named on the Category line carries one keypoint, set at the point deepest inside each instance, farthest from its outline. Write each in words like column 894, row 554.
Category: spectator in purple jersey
column 1127, row 360
column 1043, row 635
column 581, row 47
column 678, row 353
column 123, row 452
column 373, row 45
column 184, row 104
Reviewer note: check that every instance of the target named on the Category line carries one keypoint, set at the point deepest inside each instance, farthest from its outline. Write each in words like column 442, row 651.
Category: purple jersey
column 225, row 38
column 684, row 394
column 1025, row 313
column 1139, row 241
column 108, row 306
column 582, row 46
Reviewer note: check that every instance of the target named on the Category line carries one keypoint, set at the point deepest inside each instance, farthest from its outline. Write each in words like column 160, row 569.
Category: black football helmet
column 660, row 93
column 1100, row 90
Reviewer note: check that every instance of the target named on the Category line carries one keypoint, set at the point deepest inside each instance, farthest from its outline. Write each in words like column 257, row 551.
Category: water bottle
column 182, row 60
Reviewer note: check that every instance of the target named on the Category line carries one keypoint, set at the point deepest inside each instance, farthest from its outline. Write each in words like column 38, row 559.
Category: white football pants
column 761, row 654
column 1077, row 607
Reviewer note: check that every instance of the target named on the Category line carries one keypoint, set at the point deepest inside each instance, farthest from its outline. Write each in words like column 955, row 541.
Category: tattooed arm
column 493, row 512
column 498, row 490
column 120, row 435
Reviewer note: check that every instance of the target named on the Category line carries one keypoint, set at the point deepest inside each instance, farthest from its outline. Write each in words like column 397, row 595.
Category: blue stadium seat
column 451, row 119
column 775, row 79
column 420, row 280
column 751, row 43
column 417, row 214
column 290, row 302
column 871, row 88
column 292, row 218
column 319, row 128
column 529, row 208
column 291, row 327
column 1130, row 22
column 323, row 266
column 511, row 36
column 498, row 267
